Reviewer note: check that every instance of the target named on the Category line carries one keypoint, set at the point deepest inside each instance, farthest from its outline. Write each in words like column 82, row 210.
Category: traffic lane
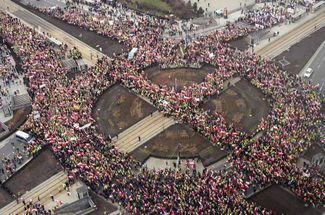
column 5, row 141
column 37, row 22
column 318, row 76
column 318, row 66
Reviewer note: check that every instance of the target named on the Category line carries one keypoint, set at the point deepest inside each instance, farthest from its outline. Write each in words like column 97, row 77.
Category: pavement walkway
column 206, row 26
column 63, row 197
column 159, row 163
column 17, row 87
column 10, row 148
column 141, row 132
column 230, row 5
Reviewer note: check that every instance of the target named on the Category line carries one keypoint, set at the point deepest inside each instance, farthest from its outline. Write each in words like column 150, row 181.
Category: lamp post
column 178, row 156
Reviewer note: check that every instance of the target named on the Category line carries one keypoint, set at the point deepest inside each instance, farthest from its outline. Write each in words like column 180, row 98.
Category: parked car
column 308, row 73
column 218, row 12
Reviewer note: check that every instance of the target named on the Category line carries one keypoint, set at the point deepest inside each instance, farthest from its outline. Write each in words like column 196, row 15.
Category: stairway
column 21, row 101
column 146, row 129
column 51, row 186
column 6, row 111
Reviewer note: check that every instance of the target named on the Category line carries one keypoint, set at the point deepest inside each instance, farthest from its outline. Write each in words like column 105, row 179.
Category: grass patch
column 156, row 7
column 163, row 7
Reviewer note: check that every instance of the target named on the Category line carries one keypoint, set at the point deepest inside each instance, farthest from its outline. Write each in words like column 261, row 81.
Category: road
column 317, row 63
column 34, row 21
column 45, row 3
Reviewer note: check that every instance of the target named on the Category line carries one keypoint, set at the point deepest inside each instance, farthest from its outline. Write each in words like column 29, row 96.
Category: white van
column 24, row 137
column 308, row 73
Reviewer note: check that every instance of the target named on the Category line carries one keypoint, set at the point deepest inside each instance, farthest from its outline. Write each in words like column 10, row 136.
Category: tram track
column 287, row 40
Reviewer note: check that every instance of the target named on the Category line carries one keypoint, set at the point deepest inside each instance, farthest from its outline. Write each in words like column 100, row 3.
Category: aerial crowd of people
column 65, row 105
column 272, row 13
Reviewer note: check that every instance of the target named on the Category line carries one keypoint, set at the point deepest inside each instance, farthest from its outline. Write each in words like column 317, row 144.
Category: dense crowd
column 31, row 208
column 271, row 14
column 288, row 130
column 115, row 22
column 265, row 17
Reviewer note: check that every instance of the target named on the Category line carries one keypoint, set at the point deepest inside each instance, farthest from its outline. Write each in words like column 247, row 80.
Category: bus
column 24, row 137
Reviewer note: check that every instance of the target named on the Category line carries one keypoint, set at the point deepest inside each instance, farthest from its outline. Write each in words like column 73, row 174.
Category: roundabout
column 288, row 129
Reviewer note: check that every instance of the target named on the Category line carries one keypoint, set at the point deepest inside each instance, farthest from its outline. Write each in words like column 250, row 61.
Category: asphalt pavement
column 317, row 63
column 44, row 3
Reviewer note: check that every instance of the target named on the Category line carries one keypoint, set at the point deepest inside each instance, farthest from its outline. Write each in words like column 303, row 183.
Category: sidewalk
column 17, row 87
column 9, row 86
column 64, row 197
column 230, row 5
column 160, row 163
column 11, row 149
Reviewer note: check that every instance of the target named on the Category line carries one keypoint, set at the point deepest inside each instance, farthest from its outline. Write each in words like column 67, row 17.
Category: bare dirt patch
column 117, row 109
column 242, row 105
column 19, row 117
column 103, row 206
column 178, row 76
column 282, row 201
column 5, row 198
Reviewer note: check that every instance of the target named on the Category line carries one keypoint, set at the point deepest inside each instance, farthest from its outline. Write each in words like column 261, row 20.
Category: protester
column 65, row 105
column 272, row 13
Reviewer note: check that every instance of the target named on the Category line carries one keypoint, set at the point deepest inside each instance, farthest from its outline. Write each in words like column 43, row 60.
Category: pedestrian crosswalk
column 142, row 131
column 42, row 192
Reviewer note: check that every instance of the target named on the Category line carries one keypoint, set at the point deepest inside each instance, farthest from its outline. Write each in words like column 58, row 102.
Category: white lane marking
column 320, row 89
